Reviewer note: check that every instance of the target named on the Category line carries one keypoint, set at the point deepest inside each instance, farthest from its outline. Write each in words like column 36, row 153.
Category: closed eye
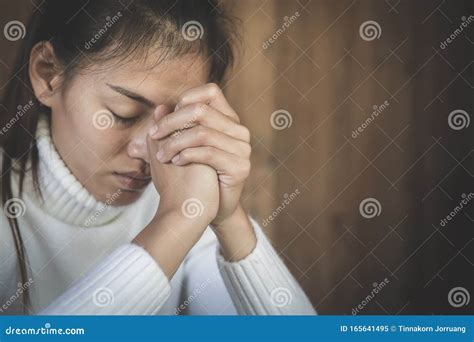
column 124, row 121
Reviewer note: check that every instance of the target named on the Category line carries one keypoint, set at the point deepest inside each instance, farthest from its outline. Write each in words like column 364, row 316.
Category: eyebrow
column 132, row 95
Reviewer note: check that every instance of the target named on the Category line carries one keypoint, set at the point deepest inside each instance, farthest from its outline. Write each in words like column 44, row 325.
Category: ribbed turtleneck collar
column 64, row 197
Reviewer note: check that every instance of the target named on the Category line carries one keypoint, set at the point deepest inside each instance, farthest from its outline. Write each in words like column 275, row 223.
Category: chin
column 120, row 197
column 126, row 197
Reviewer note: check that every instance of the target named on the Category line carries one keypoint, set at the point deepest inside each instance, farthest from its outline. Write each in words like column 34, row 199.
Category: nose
column 137, row 147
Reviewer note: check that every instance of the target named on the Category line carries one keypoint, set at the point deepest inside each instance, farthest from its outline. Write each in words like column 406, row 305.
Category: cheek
column 105, row 145
column 94, row 144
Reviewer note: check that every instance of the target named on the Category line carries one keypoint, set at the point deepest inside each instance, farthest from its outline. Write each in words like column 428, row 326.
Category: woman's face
column 101, row 118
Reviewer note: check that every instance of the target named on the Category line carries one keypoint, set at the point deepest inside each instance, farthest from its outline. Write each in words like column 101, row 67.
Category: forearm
column 169, row 237
column 261, row 284
column 126, row 282
column 134, row 279
column 236, row 236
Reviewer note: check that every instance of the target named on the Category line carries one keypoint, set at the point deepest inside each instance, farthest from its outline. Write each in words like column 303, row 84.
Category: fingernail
column 160, row 155
column 175, row 159
column 153, row 130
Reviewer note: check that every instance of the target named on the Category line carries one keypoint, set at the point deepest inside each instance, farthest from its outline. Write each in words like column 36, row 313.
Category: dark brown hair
column 84, row 31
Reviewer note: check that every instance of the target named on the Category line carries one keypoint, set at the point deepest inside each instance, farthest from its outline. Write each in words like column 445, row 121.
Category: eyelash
column 123, row 121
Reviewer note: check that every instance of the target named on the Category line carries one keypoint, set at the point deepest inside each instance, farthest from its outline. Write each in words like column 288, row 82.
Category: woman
column 105, row 99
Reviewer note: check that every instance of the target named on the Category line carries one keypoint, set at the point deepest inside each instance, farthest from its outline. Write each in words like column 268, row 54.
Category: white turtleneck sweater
column 82, row 266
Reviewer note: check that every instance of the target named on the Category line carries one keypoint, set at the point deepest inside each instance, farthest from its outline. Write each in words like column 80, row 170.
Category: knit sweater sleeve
column 260, row 284
column 127, row 282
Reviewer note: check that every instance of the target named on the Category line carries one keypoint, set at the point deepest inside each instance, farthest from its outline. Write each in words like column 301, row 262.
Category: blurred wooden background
column 328, row 79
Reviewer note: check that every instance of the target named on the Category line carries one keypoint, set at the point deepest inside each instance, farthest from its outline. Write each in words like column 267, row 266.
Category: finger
column 210, row 94
column 160, row 112
column 198, row 114
column 201, row 136
column 232, row 166
column 152, row 148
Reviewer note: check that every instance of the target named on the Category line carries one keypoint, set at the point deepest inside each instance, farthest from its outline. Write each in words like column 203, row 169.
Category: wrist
column 190, row 212
column 170, row 223
column 236, row 235
column 169, row 237
column 174, row 219
column 238, row 215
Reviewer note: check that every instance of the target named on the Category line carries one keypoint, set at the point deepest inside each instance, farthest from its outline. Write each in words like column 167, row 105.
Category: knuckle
column 208, row 153
column 213, row 89
column 201, row 134
column 245, row 168
column 182, row 99
column 247, row 150
column 199, row 110
column 246, row 134
column 185, row 155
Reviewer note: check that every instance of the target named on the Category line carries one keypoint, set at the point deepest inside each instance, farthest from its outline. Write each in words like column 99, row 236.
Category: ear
column 44, row 73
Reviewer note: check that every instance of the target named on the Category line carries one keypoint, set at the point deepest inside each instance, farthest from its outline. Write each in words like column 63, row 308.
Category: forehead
column 160, row 82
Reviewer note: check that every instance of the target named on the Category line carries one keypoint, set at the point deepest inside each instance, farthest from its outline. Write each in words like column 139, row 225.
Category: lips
column 133, row 180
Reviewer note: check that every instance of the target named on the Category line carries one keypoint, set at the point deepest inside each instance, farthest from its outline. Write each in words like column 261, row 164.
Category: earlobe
column 44, row 72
